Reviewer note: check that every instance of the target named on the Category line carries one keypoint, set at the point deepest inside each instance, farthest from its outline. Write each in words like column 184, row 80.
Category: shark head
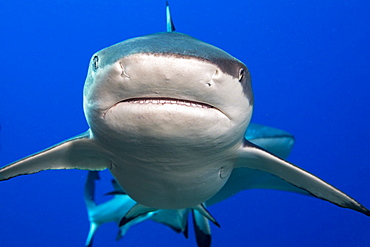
column 167, row 99
column 167, row 86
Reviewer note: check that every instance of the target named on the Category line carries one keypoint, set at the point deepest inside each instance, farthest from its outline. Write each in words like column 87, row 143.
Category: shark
column 167, row 114
column 109, row 211
column 276, row 141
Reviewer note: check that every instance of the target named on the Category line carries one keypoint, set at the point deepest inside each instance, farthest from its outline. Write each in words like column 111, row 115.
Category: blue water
column 309, row 62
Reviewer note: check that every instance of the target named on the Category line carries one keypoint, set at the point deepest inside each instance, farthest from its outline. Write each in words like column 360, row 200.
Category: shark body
column 276, row 141
column 167, row 116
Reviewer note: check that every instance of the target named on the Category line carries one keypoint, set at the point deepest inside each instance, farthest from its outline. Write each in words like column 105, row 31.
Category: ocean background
column 310, row 65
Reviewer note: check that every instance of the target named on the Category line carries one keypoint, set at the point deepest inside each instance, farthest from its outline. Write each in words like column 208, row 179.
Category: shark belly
column 165, row 185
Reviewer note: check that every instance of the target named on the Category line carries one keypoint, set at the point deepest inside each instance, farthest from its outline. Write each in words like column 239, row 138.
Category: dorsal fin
column 170, row 25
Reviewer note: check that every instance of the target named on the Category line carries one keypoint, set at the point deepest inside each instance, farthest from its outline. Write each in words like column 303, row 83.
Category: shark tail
column 90, row 236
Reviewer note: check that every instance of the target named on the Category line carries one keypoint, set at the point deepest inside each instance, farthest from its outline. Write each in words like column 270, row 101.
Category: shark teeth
column 164, row 101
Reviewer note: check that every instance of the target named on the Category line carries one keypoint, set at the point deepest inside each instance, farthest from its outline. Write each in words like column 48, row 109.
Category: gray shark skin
column 274, row 140
column 167, row 116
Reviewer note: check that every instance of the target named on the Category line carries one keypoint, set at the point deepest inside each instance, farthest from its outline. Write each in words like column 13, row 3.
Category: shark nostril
column 210, row 83
column 214, row 76
column 123, row 74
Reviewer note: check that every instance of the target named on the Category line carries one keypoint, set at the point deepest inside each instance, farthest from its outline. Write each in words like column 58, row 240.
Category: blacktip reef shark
column 167, row 115
column 274, row 140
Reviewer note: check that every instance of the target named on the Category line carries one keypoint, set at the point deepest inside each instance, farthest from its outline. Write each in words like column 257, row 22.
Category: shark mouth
column 160, row 101
column 164, row 101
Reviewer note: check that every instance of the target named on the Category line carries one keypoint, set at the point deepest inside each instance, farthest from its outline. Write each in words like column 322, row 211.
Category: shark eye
column 95, row 63
column 241, row 74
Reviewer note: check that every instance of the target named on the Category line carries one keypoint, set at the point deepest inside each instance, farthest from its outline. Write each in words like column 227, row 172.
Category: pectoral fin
column 135, row 212
column 175, row 219
column 254, row 157
column 277, row 142
column 79, row 152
